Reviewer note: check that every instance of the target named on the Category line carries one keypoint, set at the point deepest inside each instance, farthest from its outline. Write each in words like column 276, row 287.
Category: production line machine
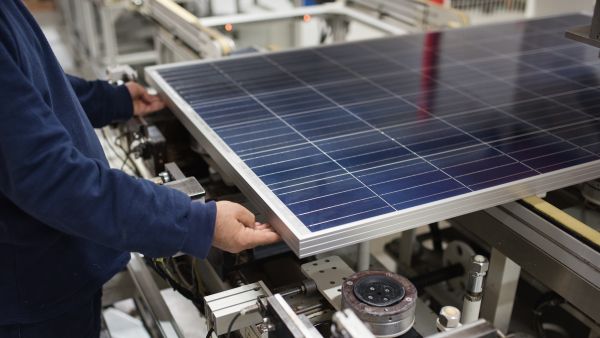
column 322, row 297
column 108, row 33
column 342, row 147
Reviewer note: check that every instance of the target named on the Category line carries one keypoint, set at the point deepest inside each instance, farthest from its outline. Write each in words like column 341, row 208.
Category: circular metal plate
column 378, row 290
column 387, row 316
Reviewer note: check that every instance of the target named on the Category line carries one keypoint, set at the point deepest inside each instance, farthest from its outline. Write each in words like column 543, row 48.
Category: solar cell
column 349, row 142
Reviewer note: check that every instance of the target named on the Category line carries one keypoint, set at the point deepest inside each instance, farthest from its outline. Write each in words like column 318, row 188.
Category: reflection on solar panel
column 350, row 142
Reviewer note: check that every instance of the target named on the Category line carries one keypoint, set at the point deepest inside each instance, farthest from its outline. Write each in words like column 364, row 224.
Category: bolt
column 349, row 282
column 449, row 317
column 479, row 264
column 265, row 326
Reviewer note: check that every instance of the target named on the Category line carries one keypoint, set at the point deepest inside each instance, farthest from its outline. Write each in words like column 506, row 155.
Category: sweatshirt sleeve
column 43, row 174
column 103, row 103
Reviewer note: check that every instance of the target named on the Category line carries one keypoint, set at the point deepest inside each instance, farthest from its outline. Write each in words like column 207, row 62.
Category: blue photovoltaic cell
column 347, row 132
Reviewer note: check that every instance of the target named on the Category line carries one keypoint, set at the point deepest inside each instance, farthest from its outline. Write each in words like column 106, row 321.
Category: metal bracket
column 223, row 306
column 329, row 274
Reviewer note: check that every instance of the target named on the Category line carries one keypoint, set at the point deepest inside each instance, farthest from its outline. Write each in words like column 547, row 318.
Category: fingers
column 142, row 108
column 155, row 105
column 146, row 97
column 236, row 229
column 254, row 237
column 149, row 99
column 261, row 226
column 143, row 102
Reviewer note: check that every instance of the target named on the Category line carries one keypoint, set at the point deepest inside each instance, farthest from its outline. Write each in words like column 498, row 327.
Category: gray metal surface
column 549, row 254
column 589, row 34
column 222, row 307
column 297, row 326
column 328, row 273
column 500, row 290
column 188, row 28
column 478, row 329
column 348, row 325
column 151, row 304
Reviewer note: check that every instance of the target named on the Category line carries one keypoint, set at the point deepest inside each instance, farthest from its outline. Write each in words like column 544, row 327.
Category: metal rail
column 552, row 256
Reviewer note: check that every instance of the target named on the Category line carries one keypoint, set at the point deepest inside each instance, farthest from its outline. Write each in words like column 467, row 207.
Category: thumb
column 135, row 89
column 246, row 217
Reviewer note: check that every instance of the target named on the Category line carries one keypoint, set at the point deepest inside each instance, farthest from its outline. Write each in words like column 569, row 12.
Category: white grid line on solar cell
column 375, row 128
column 460, row 130
column 274, row 114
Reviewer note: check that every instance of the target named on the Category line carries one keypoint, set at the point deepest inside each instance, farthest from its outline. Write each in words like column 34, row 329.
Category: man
column 68, row 221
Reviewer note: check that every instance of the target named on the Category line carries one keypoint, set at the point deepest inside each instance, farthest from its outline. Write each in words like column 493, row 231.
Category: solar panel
column 349, row 142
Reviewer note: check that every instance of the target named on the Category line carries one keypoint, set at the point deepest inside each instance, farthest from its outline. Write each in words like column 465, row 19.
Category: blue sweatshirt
column 68, row 221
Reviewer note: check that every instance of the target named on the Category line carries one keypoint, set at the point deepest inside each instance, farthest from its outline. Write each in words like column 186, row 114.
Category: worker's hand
column 236, row 229
column 143, row 103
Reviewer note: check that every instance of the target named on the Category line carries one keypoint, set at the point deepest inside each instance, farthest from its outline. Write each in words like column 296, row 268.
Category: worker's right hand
column 236, row 229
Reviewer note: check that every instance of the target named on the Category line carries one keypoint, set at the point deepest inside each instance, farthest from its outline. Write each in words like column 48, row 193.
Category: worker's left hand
column 143, row 103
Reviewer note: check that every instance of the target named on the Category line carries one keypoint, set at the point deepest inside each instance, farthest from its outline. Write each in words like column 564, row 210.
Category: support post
column 500, row 290
column 364, row 256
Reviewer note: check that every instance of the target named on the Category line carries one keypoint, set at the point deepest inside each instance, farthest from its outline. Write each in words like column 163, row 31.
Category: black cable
column 124, row 160
column 547, row 300
column 109, row 144
column 196, row 299
column 230, row 327
column 436, row 237
column 210, row 332
column 128, row 153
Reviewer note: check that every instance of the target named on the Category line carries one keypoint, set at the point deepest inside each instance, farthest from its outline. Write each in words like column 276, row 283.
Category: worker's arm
column 43, row 173
column 103, row 103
